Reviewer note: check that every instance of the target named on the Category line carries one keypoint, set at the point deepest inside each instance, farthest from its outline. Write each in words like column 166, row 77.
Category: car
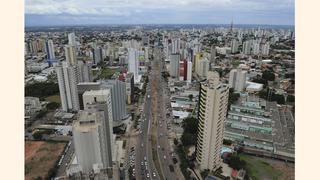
column 159, row 146
column 154, row 174
column 148, row 175
column 141, row 144
column 164, row 157
column 145, row 158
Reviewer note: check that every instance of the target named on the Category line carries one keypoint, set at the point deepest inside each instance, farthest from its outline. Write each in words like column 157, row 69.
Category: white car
column 154, row 174
column 148, row 175
column 141, row 144
column 164, row 157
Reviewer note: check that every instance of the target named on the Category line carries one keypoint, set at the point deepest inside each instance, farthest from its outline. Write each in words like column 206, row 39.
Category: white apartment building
column 189, row 72
column 174, row 65
column 213, row 106
column 133, row 63
column 237, row 79
column 71, row 55
column 68, row 80
column 91, row 146
column 203, row 67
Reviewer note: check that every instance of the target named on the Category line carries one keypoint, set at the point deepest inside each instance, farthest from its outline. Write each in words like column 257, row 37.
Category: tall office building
column 133, row 63
column 49, row 49
column 68, row 80
column 237, row 79
column 174, row 65
column 70, row 53
column 213, row 104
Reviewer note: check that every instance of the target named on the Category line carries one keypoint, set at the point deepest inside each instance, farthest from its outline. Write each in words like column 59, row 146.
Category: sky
column 86, row 12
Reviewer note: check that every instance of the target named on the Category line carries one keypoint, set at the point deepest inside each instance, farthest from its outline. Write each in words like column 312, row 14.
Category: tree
column 37, row 136
column 41, row 89
column 53, row 105
column 227, row 142
column 190, row 125
column 175, row 141
column 41, row 113
column 290, row 98
column 237, row 163
column 188, row 139
column 267, row 75
column 190, row 97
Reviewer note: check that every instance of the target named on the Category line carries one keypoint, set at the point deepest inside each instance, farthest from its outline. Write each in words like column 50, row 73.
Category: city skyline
column 53, row 12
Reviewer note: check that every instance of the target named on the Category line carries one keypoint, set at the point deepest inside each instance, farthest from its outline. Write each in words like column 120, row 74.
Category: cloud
column 158, row 10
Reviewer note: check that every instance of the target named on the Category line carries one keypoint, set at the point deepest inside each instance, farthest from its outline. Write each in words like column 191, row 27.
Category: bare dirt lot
column 40, row 157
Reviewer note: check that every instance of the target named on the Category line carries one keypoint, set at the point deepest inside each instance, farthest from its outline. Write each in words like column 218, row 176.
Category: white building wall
column 189, row 72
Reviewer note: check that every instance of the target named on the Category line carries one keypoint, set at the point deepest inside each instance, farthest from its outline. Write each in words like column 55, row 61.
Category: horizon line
column 135, row 24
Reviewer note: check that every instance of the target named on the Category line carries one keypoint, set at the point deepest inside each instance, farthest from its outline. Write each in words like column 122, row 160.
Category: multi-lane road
column 153, row 154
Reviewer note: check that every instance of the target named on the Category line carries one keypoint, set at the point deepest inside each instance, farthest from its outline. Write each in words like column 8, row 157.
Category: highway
column 144, row 163
column 160, row 86
column 152, row 147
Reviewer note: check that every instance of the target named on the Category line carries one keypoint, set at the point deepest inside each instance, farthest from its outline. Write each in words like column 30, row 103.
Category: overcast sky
column 77, row 12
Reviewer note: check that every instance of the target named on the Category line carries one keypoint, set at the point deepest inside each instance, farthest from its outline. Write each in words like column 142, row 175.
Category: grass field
column 259, row 169
column 40, row 157
column 54, row 98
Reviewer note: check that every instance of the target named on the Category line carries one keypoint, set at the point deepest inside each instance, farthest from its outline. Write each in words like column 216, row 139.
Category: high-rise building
column 265, row 49
column 49, row 49
column 118, row 97
column 174, row 65
column 70, row 53
column 203, row 67
column 213, row 54
column 213, row 104
column 92, row 135
column 237, row 79
column 87, row 140
column 175, row 46
column 97, row 55
column 133, row 63
column 68, row 80
column 82, row 87
column 246, row 48
column 189, row 72
column 84, row 71
column 72, row 39
column 234, row 46
column 129, row 87
column 255, row 48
